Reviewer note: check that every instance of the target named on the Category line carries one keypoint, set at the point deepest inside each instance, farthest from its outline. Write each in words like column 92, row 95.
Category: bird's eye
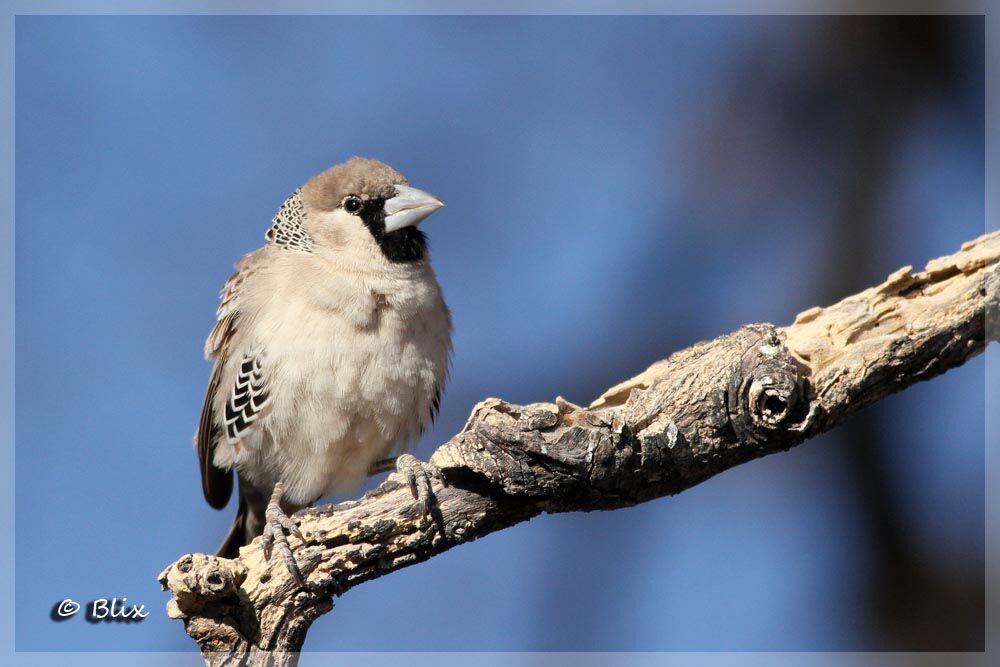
column 353, row 204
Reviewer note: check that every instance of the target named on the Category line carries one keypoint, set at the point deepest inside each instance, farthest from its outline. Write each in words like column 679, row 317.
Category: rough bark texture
column 759, row 390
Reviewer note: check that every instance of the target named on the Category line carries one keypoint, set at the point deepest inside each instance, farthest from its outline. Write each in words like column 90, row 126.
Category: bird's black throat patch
column 408, row 244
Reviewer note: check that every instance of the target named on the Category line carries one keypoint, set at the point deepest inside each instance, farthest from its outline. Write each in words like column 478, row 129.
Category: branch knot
column 767, row 393
column 200, row 580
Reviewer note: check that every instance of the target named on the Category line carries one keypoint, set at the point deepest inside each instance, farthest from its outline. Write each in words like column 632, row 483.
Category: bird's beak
column 409, row 207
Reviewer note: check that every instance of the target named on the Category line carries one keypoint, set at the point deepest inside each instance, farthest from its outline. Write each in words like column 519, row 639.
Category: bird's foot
column 276, row 522
column 418, row 476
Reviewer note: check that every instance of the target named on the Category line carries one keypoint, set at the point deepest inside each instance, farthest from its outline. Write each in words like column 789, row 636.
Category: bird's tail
column 239, row 535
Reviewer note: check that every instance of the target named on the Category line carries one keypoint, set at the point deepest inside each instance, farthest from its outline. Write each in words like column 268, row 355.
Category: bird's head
column 360, row 206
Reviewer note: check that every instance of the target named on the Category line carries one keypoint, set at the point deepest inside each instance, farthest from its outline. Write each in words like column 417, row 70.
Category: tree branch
column 705, row 409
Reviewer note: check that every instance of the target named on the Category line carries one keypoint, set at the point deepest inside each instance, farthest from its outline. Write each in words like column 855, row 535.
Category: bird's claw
column 276, row 522
column 418, row 476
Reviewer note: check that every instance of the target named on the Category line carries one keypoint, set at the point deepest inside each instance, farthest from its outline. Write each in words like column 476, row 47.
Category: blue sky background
column 586, row 235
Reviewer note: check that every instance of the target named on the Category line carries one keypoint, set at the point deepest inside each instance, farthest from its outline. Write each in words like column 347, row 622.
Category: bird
column 330, row 351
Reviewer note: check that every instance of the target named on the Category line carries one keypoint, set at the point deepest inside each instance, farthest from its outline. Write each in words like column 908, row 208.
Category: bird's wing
column 216, row 483
column 246, row 398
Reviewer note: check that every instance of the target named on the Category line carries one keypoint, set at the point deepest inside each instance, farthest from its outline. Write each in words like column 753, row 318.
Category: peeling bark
column 759, row 390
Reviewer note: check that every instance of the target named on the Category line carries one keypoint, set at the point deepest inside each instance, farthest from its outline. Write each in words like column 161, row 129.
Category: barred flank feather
column 248, row 398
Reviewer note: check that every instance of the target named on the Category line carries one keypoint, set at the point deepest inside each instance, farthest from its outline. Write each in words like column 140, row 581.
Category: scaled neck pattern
column 288, row 230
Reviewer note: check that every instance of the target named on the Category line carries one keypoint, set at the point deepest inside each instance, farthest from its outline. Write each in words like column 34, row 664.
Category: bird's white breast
column 353, row 362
